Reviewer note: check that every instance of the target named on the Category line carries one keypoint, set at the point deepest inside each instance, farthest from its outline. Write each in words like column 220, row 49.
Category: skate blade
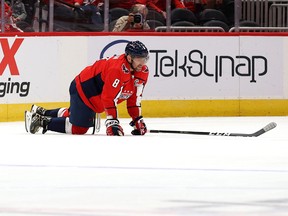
column 28, row 119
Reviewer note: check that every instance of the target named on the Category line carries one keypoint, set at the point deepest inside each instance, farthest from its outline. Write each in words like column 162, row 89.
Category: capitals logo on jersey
column 125, row 69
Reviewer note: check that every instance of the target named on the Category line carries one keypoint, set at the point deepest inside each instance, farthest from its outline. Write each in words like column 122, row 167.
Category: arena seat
column 181, row 14
column 116, row 13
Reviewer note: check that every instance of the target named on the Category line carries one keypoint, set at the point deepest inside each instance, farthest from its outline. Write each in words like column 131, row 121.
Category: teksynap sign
column 190, row 68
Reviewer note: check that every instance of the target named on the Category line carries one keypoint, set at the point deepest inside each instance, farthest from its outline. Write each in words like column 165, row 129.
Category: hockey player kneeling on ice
column 99, row 88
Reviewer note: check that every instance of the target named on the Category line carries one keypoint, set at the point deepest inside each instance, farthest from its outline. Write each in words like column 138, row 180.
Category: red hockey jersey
column 109, row 82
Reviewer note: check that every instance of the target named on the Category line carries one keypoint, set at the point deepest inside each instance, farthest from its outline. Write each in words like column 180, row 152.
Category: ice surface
column 156, row 174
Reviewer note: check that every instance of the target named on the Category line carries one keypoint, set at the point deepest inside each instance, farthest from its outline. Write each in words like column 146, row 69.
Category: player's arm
column 110, row 96
column 134, row 103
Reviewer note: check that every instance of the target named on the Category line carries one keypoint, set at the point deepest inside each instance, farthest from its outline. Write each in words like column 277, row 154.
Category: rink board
column 181, row 108
column 190, row 74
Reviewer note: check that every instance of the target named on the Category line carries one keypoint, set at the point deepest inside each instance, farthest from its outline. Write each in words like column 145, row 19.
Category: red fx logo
column 9, row 55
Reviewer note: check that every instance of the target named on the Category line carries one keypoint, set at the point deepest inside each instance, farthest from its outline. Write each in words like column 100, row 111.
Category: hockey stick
column 97, row 123
column 263, row 130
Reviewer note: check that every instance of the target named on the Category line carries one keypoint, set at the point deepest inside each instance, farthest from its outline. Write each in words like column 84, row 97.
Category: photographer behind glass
column 135, row 21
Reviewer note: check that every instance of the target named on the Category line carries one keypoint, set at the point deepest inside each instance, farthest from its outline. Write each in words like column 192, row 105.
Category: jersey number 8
column 115, row 83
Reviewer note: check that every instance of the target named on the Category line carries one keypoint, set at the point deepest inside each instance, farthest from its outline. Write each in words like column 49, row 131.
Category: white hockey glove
column 138, row 125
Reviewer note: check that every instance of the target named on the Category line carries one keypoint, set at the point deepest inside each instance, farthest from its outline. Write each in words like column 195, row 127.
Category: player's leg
column 81, row 117
column 35, row 121
column 58, row 112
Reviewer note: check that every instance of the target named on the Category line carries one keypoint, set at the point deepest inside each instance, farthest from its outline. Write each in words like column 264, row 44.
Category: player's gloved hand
column 113, row 128
column 139, row 126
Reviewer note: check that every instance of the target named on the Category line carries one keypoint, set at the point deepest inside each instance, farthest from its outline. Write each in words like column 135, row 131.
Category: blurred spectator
column 78, row 15
column 9, row 25
column 67, row 15
column 76, row 3
column 19, row 16
column 94, row 9
column 30, row 7
column 67, row 7
column 127, row 4
column 18, row 11
column 135, row 21
column 160, row 5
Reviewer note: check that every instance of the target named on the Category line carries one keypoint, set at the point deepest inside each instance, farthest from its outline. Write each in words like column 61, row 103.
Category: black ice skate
column 38, row 109
column 34, row 121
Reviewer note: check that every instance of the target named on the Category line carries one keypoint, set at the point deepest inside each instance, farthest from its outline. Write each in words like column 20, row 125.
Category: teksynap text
column 195, row 64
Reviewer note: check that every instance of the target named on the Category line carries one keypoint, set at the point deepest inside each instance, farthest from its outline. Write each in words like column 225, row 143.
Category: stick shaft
column 191, row 132
column 268, row 127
